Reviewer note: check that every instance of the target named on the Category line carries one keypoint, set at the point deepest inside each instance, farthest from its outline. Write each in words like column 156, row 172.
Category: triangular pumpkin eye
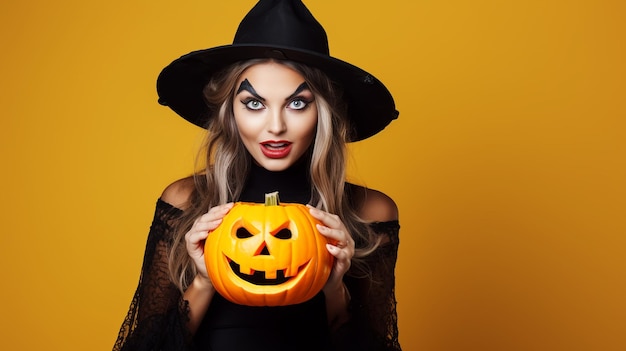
column 283, row 234
column 243, row 233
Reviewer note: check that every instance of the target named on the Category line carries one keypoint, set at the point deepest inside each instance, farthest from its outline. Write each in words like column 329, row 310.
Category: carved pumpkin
column 267, row 254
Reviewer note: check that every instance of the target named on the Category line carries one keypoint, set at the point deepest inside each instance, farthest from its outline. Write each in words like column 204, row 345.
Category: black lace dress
column 157, row 316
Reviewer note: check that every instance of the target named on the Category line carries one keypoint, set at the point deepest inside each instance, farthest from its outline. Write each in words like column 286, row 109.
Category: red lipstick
column 276, row 148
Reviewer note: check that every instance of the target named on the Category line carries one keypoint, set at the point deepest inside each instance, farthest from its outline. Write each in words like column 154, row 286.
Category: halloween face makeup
column 275, row 114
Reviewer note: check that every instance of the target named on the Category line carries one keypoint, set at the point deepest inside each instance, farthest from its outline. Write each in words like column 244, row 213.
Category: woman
column 279, row 111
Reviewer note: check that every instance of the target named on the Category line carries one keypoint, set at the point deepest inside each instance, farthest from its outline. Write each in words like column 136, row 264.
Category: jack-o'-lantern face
column 264, row 255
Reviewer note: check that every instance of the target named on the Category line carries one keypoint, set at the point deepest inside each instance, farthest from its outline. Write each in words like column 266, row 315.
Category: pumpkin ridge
column 294, row 268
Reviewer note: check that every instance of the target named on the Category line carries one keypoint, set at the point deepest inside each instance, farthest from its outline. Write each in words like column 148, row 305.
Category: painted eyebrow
column 245, row 85
column 301, row 88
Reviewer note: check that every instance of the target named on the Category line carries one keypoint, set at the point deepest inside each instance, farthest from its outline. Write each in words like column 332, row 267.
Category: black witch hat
column 283, row 30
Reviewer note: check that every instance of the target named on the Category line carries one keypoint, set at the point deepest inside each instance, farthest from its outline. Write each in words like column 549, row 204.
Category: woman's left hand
column 340, row 245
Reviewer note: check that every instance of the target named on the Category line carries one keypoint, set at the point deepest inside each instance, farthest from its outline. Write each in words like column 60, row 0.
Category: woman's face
column 275, row 114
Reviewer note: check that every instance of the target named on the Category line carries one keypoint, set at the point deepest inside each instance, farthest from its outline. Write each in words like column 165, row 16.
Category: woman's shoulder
column 373, row 205
column 179, row 193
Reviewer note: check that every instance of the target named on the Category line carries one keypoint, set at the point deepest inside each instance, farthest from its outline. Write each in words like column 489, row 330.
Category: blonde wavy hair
column 225, row 159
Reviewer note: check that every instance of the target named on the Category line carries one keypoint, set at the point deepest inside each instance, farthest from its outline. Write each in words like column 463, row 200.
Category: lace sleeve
column 374, row 321
column 156, row 319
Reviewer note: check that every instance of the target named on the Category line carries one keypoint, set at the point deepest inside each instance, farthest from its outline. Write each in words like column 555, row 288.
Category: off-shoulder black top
column 156, row 319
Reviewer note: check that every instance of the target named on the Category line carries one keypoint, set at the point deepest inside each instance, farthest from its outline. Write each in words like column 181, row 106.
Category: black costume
column 157, row 316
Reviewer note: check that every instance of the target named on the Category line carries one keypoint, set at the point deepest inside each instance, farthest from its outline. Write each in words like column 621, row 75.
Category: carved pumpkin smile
column 267, row 255
column 265, row 278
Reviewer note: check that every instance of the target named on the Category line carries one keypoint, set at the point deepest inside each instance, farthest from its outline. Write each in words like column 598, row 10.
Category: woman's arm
column 375, row 207
column 373, row 323
column 157, row 315
column 200, row 292
column 198, row 295
column 342, row 249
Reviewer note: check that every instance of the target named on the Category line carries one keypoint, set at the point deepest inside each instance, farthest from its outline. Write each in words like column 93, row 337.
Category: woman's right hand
column 195, row 237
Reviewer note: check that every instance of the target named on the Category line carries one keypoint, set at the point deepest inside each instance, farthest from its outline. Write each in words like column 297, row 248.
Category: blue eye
column 298, row 104
column 253, row 104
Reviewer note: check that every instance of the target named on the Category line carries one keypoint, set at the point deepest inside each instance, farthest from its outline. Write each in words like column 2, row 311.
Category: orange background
column 507, row 162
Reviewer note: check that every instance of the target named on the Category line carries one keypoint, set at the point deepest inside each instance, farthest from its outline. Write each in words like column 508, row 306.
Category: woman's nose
column 276, row 123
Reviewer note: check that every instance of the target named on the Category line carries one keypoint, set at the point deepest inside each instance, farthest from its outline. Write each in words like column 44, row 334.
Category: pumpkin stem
column 271, row 199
